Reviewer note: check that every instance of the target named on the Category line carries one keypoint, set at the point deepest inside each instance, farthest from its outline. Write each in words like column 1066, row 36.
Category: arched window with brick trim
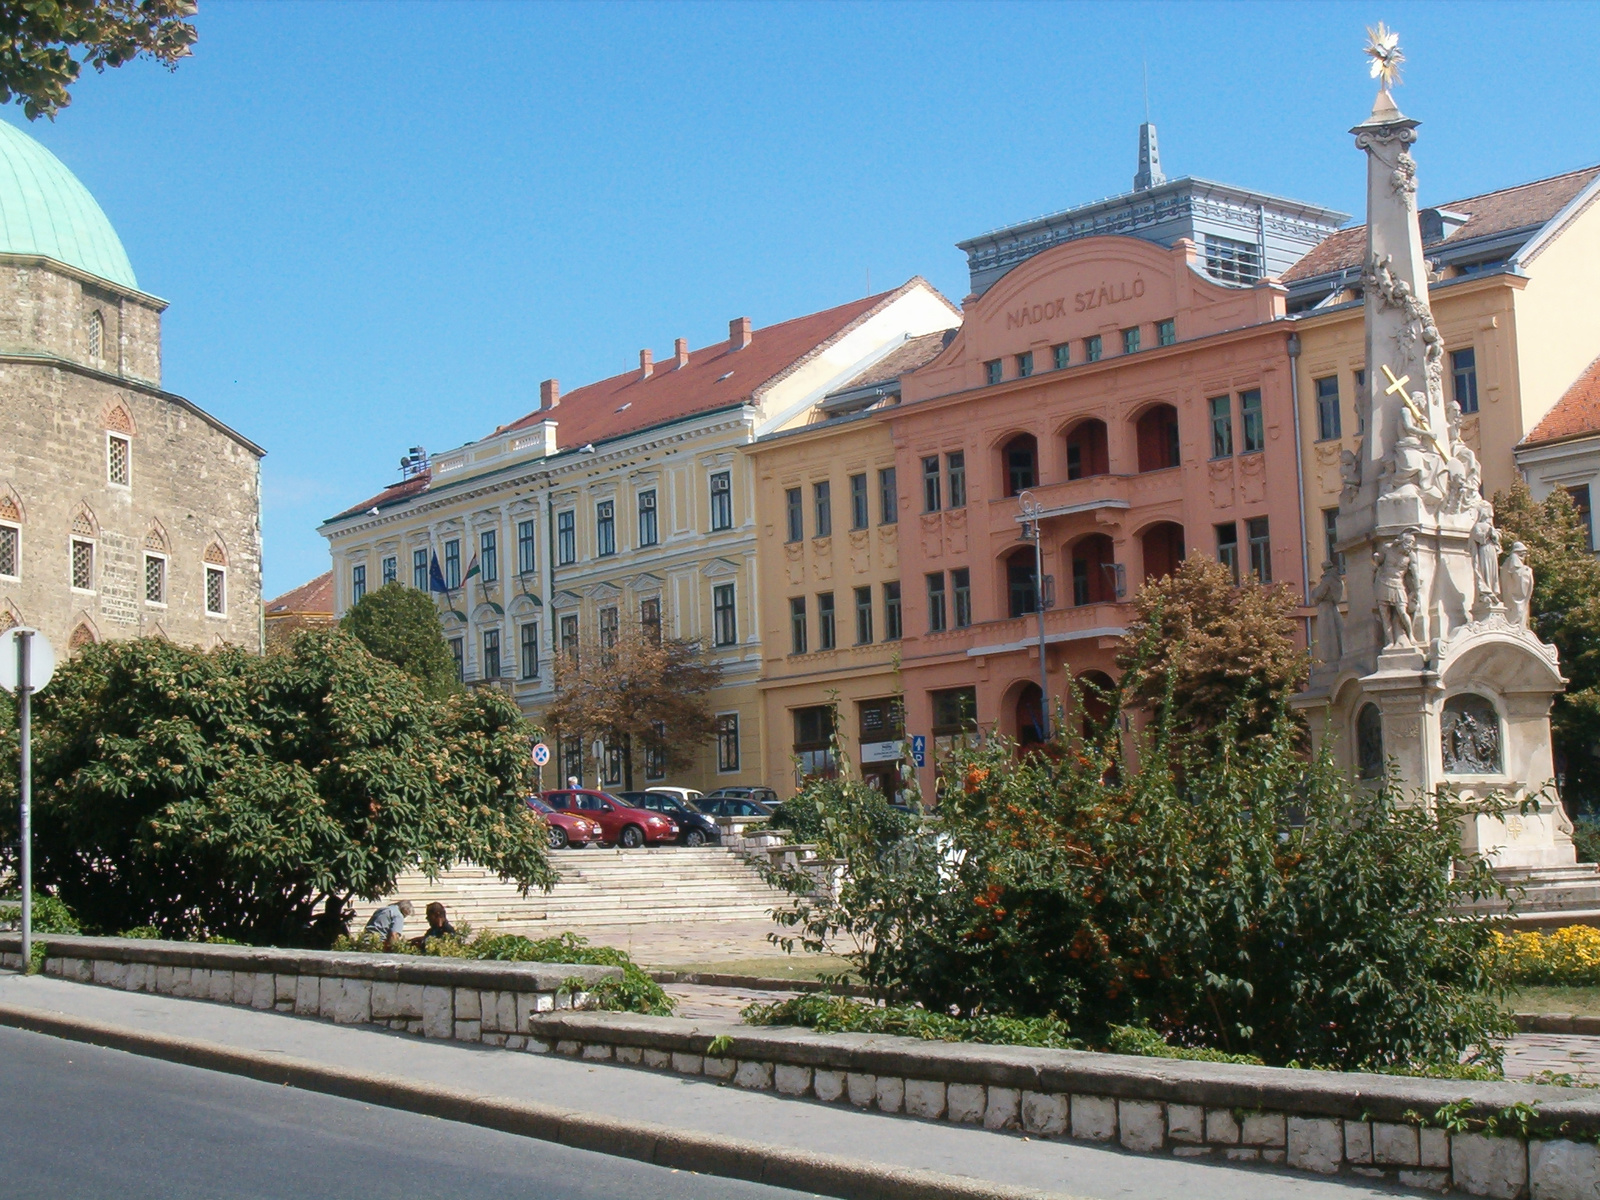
column 216, row 564
column 85, row 533
column 119, row 447
column 82, row 636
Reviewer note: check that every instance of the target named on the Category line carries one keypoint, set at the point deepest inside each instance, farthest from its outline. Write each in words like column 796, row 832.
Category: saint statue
column 1486, row 556
column 1396, row 586
column 1412, row 462
column 1516, row 585
column 1327, row 596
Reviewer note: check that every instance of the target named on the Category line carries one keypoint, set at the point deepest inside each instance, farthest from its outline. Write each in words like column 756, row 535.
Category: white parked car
column 683, row 795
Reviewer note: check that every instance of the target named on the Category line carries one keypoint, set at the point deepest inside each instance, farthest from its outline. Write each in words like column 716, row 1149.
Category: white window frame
column 16, row 531
column 206, row 596
column 72, row 543
column 166, row 578
column 128, row 444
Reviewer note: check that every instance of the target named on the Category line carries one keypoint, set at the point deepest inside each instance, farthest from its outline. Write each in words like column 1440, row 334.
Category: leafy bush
column 634, row 992
column 228, row 795
column 1228, row 895
column 836, row 1014
column 1569, row 956
column 49, row 915
column 1586, row 837
column 1147, row 1043
column 143, row 932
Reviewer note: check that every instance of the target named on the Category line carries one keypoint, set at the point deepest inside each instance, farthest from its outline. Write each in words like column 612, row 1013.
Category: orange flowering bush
column 1253, row 902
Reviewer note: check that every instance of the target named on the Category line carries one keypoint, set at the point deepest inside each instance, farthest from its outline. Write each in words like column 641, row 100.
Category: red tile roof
column 309, row 599
column 1493, row 212
column 715, row 376
column 1575, row 414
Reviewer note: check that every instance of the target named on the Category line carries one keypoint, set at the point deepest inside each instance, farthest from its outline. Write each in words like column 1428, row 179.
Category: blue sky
column 383, row 224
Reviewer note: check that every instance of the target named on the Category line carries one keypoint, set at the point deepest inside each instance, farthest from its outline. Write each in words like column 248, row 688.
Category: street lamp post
column 1032, row 530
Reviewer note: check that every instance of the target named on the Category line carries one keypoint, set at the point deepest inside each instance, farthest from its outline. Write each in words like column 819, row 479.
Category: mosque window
column 97, row 335
column 10, row 551
column 217, row 591
column 82, row 565
column 119, row 455
column 155, row 579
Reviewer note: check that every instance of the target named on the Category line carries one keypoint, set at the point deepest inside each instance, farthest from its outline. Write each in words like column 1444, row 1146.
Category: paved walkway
column 1081, row 1170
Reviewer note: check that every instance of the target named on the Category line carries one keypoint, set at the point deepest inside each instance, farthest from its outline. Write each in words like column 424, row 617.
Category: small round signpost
column 27, row 664
column 541, row 756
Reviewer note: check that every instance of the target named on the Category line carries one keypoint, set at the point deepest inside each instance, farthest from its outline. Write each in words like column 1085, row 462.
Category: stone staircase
column 597, row 887
column 1551, row 896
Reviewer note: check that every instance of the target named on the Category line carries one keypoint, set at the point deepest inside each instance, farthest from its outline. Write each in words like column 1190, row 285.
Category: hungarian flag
column 472, row 569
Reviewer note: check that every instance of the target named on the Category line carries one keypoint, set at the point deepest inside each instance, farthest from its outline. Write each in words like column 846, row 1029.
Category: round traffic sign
column 541, row 754
column 41, row 658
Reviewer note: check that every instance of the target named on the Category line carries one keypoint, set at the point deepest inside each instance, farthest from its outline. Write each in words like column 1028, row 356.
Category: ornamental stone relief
column 1469, row 735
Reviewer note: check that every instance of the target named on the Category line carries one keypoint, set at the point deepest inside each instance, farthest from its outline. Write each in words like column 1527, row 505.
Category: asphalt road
column 79, row 1121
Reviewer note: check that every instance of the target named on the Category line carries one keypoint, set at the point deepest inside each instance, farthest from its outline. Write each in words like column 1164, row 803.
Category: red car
column 566, row 829
column 620, row 823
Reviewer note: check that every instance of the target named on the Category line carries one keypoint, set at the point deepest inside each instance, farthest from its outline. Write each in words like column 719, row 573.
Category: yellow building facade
column 1515, row 271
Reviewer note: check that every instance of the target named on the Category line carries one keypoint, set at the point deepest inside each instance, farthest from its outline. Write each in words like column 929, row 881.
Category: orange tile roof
column 915, row 352
column 715, row 377
column 309, row 599
column 1575, row 414
column 1493, row 212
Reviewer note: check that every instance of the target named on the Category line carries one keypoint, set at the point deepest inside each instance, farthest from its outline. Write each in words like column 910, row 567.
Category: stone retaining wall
column 467, row 1000
column 1323, row 1122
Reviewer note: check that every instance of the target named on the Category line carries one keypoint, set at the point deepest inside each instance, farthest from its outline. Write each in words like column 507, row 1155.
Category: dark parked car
column 620, row 823
column 566, row 829
column 728, row 806
column 761, row 795
column 694, row 827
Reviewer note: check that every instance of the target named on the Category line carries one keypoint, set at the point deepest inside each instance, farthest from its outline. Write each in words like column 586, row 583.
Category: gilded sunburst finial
column 1383, row 48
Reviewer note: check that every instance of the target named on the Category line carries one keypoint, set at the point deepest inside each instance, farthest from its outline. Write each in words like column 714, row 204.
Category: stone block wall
column 456, row 999
column 1325, row 1123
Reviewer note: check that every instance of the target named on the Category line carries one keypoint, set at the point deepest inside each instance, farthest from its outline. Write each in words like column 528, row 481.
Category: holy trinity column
column 1424, row 661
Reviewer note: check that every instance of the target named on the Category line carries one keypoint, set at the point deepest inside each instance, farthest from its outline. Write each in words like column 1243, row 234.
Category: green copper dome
column 45, row 210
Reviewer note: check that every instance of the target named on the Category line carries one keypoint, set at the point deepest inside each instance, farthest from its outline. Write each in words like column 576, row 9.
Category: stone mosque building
column 125, row 510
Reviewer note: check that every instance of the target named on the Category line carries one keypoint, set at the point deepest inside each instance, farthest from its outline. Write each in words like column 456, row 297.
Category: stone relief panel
column 1253, row 479
column 1469, row 736
column 955, row 531
column 932, row 534
column 1222, row 483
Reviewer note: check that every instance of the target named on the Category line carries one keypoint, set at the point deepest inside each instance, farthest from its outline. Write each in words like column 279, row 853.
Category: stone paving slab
column 1086, row 1170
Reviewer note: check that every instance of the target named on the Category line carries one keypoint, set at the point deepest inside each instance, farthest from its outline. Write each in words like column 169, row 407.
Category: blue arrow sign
column 919, row 750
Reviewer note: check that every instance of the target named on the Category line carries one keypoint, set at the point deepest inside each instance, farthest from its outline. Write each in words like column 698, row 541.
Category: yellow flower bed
column 1563, row 957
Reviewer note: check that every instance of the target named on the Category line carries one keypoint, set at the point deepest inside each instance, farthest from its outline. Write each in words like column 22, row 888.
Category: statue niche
column 1469, row 736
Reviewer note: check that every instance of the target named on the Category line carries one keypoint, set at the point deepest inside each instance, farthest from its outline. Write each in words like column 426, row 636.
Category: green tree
column 1254, row 903
column 1213, row 650
column 45, row 43
column 1565, row 612
column 228, row 794
column 400, row 625
column 638, row 693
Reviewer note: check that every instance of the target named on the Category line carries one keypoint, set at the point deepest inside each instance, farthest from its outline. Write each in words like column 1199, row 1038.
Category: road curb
column 733, row 1158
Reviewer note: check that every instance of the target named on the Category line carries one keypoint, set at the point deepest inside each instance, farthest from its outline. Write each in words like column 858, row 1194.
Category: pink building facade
column 1145, row 409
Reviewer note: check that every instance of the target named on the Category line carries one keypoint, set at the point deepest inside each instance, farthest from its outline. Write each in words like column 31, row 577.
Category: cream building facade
column 626, row 500
column 125, row 510
column 1512, row 298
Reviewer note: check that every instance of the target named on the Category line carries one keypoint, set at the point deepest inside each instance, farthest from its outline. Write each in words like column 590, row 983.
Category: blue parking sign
column 919, row 750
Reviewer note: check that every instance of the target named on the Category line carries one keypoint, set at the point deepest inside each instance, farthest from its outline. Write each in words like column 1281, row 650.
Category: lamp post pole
column 1032, row 512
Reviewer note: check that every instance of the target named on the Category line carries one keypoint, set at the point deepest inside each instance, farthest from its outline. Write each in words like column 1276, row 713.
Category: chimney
column 680, row 351
column 550, row 393
column 738, row 333
column 647, row 360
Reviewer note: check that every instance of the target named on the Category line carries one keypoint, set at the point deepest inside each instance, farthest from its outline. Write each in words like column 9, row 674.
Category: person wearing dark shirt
column 438, row 925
